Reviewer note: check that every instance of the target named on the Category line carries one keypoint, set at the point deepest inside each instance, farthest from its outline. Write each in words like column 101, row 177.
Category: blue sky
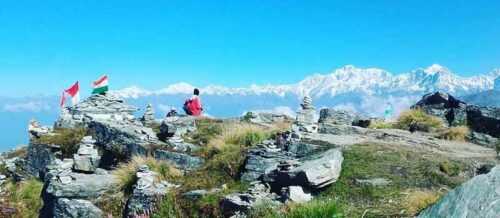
column 47, row 45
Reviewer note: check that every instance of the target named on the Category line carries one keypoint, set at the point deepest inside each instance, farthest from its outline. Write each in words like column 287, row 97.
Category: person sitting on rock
column 193, row 106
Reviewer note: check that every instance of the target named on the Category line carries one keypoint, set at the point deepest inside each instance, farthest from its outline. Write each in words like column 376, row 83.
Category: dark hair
column 196, row 92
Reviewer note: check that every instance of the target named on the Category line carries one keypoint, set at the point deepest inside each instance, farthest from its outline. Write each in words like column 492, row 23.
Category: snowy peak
column 497, row 84
column 345, row 80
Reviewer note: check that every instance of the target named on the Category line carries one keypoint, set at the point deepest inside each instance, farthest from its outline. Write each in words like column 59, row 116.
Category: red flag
column 73, row 90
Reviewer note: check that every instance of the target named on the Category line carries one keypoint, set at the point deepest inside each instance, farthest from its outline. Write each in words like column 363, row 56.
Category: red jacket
column 194, row 106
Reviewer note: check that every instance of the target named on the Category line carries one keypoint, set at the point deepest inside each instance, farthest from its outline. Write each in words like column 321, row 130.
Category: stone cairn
column 87, row 158
column 305, row 121
column 149, row 116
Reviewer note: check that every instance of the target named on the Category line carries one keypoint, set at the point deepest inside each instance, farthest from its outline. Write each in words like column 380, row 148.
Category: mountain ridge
column 370, row 81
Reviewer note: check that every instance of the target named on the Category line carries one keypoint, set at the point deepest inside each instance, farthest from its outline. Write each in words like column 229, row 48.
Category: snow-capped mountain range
column 348, row 79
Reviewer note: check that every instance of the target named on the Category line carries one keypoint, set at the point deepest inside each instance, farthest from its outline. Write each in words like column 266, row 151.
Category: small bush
column 24, row 197
column 68, row 139
column 418, row 200
column 381, row 125
column 458, row 133
column 112, row 203
column 418, row 120
column 168, row 208
column 126, row 172
column 450, row 168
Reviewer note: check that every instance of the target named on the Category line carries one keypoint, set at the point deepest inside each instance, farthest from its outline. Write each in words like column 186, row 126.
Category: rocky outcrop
column 295, row 194
column 484, row 120
column 63, row 186
column 87, row 157
column 121, row 140
column 262, row 160
column 148, row 118
column 445, row 106
column 455, row 112
column 38, row 157
column 74, row 208
column 95, row 107
column 342, row 117
column 179, row 160
column 173, row 128
column 479, row 197
column 147, row 193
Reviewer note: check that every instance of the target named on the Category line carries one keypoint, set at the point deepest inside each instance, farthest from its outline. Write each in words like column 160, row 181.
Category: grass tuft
column 458, row 133
column 418, row 120
column 379, row 124
column 418, row 200
column 25, row 197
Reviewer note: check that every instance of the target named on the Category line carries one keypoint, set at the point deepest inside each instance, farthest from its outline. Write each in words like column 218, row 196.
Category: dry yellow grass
column 126, row 172
column 419, row 120
column 245, row 134
column 458, row 133
column 418, row 200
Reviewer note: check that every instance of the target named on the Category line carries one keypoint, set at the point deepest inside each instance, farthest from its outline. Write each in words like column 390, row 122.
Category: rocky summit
column 99, row 160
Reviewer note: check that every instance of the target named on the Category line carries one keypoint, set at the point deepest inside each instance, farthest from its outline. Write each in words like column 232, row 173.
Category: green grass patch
column 406, row 169
column 68, row 139
column 25, row 197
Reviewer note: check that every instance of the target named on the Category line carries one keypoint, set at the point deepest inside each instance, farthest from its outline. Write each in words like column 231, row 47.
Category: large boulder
column 479, row 197
column 70, row 185
column 262, row 160
column 342, row 117
column 74, row 208
column 445, row 106
column 176, row 126
column 313, row 172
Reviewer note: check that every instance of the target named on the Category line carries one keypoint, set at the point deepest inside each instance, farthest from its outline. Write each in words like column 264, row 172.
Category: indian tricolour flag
column 101, row 85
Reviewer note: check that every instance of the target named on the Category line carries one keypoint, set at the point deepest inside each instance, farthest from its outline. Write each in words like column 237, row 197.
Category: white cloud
column 31, row 106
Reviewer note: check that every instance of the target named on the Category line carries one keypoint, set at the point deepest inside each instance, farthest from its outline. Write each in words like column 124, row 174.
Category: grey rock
column 295, row 194
column 176, row 126
column 74, row 208
column 484, row 120
column 38, row 157
column 148, row 118
column 70, row 185
column 373, row 182
column 479, row 197
column 335, row 116
column 179, row 160
column 122, row 139
column 261, row 161
column 313, row 172
column 483, row 139
column 333, row 129
column 240, row 204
